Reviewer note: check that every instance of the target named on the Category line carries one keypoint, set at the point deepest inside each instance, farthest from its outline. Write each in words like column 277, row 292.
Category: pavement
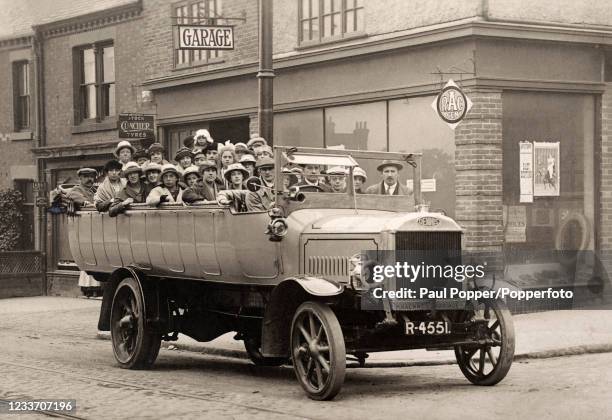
column 538, row 335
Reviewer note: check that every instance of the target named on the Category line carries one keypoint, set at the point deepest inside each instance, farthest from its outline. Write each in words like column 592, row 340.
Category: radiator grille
column 329, row 266
column 428, row 241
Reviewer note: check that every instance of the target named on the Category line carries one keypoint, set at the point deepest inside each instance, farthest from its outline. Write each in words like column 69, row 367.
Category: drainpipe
column 39, row 88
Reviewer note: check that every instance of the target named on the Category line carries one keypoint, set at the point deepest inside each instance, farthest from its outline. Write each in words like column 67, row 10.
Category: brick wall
column 12, row 152
column 129, row 71
column 478, row 165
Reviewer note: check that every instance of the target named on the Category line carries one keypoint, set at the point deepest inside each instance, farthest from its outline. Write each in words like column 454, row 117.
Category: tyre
column 487, row 364
column 318, row 351
column 253, row 349
column 135, row 346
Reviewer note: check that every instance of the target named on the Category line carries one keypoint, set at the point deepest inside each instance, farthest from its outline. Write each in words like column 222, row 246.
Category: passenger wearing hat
column 390, row 184
column 152, row 172
column 193, row 179
column 235, row 175
column 210, row 187
column 199, row 157
column 183, row 158
column 156, row 154
column 248, row 161
column 82, row 194
column 264, row 151
column 133, row 192
column 169, row 191
column 240, row 149
column 311, row 181
column 289, row 178
column 124, row 151
column 140, row 157
column 202, row 140
column 212, row 151
column 110, row 188
column 264, row 198
column 359, row 179
column 337, row 179
column 256, row 142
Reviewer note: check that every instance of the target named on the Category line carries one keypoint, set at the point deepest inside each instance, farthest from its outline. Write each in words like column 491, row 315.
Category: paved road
column 53, row 354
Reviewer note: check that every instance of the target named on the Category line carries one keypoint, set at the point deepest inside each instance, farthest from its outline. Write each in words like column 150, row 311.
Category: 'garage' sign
column 198, row 37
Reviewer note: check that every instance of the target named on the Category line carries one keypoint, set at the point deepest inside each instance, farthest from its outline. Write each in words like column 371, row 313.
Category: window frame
column 102, row 104
column 22, row 118
column 205, row 57
column 320, row 18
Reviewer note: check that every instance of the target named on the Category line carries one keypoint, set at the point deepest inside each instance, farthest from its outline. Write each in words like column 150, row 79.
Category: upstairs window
column 21, row 96
column 95, row 82
column 328, row 20
column 203, row 12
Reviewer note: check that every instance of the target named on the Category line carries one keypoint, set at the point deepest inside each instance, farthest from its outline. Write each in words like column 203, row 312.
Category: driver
column 260, row 200
column 311, row 181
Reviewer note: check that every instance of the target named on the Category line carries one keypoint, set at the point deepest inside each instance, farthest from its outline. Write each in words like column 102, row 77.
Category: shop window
column 205, row 12
column 561, row 214
column 300, row 128
column 94, row 82
column 21, row 95
column 414, row 127
column 25, row 187
column 328, row 20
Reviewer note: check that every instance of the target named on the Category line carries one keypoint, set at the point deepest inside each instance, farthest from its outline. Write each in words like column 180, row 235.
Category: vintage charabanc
column 288, row 281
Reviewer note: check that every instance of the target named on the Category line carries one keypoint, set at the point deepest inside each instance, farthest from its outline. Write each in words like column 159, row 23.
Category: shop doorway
column 234, row 129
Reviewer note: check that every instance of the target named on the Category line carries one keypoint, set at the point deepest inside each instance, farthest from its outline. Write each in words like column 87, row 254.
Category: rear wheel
column 135, row 345
column 318, row 351
column 487, row 364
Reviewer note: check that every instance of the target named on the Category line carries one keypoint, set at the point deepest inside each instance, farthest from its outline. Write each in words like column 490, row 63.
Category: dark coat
column 80, row 194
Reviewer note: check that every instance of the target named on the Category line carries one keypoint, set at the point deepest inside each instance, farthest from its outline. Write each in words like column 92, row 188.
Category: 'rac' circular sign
column 452, row 104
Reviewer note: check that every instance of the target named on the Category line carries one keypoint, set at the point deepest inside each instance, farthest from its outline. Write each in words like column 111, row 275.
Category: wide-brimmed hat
column 140, row 154
column 357, row 171
column 122, row 145
column 388, row 162
column 169, row 168
column 235, row 167
column 241, row 147
column 248, row 158
column 207, row 165
column 191, row 170
column 182, row 152
column 151, row 166
column 205, row 134
column 155, row 147
column 336, row 170
column 265, row 162
column 113, row 164
column 251, row 143
column 131, row 167
column 87, row 171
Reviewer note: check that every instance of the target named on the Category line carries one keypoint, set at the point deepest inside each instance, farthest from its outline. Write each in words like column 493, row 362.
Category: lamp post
column 265, row 75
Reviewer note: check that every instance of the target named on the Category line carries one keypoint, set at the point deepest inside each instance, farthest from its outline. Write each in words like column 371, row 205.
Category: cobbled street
column 54, row 353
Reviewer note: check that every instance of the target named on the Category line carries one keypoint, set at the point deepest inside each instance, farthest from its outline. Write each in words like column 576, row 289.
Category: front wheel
column 134, row 344
column 487, row 364
column 318, row 351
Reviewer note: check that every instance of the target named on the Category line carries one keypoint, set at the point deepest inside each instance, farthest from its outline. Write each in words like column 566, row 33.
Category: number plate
column 427, row 328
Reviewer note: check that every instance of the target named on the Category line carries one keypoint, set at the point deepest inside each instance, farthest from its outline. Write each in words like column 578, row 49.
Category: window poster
column 516, row 224
column 546, row 169
column 526, row 171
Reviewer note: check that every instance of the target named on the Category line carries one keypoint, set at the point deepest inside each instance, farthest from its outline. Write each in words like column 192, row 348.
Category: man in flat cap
column 83, row 193
column 390, row 185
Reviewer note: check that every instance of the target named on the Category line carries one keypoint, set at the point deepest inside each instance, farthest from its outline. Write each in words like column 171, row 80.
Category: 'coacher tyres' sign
column 136, row 126
column 199, row 37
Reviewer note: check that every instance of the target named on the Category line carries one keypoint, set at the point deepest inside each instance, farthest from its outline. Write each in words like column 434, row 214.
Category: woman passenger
column 183, row 158
column 152, row 172
column 133, row 192
column 124, row 151
column 235, row 175
column 226, row 158
column 110, row 188
column 248, row 161
column 169, row 191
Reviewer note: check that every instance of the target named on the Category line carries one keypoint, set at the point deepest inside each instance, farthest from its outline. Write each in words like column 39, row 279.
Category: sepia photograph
column 314, row 209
